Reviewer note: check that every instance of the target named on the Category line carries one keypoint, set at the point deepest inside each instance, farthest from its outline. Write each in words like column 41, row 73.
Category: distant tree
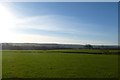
column 102, row 47
column 88, row 46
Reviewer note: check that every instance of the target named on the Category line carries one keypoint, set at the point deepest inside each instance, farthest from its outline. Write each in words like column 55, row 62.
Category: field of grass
column 58, row 64
column 0, row 64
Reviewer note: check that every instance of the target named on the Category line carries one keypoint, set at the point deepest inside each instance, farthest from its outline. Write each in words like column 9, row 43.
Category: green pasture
column 58, row 64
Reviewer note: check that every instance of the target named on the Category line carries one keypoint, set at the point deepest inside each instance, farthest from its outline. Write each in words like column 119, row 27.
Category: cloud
column 57, row 23
column 29, row 38
column 60, row 29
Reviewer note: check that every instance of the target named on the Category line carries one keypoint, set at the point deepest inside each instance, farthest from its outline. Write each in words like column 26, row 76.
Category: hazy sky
column 64, row 22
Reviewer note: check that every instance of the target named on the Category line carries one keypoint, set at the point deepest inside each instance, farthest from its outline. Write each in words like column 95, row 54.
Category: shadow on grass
column 60, row 79
column 114, row 53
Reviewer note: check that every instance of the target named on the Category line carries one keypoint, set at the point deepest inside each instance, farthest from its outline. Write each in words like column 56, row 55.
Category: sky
column 59, row 22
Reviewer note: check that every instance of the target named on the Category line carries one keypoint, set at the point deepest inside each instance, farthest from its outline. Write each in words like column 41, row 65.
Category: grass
column 0, row 64
column 57, row 64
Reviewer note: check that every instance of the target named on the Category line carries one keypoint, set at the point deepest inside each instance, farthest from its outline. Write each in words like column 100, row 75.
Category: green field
column 0, row 64
column 58, row 64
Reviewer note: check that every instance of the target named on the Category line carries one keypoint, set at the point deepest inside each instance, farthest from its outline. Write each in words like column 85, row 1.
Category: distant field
column 59, row 64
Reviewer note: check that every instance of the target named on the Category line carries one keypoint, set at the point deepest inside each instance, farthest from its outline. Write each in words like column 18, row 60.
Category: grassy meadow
column 58, row 64
column 0, row 64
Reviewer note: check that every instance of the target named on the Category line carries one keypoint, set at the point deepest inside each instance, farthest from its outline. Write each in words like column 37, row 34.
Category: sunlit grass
column 56, row 64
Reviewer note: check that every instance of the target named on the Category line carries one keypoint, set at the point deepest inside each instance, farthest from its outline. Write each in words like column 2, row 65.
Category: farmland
column 0, row 64
column 59, row 64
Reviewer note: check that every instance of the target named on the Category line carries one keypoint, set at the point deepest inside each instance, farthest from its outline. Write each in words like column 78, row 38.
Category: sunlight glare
column 6, row 23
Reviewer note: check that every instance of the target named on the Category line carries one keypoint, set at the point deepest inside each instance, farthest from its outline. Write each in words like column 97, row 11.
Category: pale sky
column 75, row 23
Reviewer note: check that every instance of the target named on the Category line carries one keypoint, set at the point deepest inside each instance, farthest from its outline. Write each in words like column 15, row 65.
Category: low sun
column 6, row 23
